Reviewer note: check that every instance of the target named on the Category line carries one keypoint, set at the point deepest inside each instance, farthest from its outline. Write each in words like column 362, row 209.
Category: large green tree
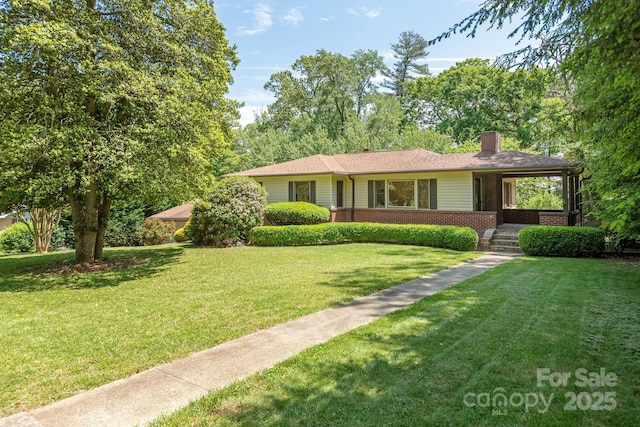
column 408, row 51
column 110, row 98
column 597, row 44
column 327, row 88
column 474, row 96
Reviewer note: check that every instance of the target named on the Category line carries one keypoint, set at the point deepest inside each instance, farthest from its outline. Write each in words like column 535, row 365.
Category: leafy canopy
column 110, row 98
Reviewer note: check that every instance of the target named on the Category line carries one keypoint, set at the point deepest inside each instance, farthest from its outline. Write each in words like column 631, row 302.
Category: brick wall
column 554, row 218
column 479, row 221
column 520, row 216
column 560, row 218
column 340, row 215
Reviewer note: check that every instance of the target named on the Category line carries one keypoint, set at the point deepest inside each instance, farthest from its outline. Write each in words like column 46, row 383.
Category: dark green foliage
column 123, row 229
column 63, row 234
column 155, row 231
column 235, row 207
column 58, row 239
column 619, row 242
column 16, row 238
column 562, row 241
column 438, row 236
column 124, row 225
column 296, row 213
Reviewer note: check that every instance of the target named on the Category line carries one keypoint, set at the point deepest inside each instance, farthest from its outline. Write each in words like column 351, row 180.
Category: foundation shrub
column 449, row 237
column 296, row 213
column 562, row 241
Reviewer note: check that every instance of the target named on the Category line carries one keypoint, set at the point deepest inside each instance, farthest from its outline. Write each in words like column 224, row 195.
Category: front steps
column 505, row 240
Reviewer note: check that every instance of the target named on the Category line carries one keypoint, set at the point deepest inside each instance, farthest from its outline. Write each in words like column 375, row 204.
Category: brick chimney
column 491, row 142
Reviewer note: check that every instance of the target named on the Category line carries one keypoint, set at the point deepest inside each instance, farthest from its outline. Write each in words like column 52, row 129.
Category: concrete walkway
column 144, row 397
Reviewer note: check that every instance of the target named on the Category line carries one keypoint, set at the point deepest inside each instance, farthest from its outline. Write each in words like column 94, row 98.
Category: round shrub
column 235, row 207
column 562, row 241
column 179, row 235
column 155, row 231
column 16, row 238
column 296, row 213
column 438, row 236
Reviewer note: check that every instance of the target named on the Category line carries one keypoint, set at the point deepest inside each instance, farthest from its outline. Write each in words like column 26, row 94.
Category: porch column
column 565, row 191
column 572, row 193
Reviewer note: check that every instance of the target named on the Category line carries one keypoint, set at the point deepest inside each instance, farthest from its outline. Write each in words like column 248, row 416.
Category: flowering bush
column 155, row 231
column 235, row 207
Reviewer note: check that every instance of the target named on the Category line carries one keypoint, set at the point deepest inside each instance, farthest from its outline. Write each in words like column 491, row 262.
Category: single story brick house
column 419, row 186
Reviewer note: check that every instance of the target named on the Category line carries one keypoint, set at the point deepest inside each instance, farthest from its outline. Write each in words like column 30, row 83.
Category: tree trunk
column 42, row 225
column 84, row 211
column 103, row 217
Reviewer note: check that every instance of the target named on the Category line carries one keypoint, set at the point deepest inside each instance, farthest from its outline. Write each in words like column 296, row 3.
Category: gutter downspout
column 353, row 197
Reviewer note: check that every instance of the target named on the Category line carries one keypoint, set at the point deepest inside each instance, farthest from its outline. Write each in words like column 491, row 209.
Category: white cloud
column 373, row 13
column 327, row 18
column 365, row 11
column 293, row 17
column 261, row 20
column 255, row 102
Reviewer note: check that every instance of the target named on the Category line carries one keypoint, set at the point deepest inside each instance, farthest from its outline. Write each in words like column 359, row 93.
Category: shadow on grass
column 20, row 273
column 380, row 377
column 360, row 281
column 416, row 366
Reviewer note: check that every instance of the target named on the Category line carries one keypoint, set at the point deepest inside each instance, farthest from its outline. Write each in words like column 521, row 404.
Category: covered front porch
column 497, row 192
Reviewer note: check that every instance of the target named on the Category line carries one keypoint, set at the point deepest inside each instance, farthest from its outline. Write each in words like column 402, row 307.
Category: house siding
column 455, row 189
column 6, row 222
column 454, row 195
column 278, row 188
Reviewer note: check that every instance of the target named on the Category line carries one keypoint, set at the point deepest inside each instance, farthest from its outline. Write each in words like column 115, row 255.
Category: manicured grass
column 486, row 336
column 62, row 334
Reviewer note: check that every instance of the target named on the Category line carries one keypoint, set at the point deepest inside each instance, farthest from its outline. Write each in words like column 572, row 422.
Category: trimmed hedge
column 562, row 241
column 438, row 236
column 296, row 213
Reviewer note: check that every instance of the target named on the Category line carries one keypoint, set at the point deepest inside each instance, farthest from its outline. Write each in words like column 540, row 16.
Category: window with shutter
column 302, row 191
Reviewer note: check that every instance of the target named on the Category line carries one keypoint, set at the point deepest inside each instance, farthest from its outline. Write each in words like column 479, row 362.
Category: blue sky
column 271, row 34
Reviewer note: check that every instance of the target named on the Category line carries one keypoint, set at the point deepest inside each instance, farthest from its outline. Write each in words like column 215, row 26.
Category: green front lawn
column 516, row 331
column 62, row 334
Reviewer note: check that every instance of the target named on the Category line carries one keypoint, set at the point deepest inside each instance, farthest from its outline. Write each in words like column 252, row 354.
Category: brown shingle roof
column 416, row 160
column 178, row 213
